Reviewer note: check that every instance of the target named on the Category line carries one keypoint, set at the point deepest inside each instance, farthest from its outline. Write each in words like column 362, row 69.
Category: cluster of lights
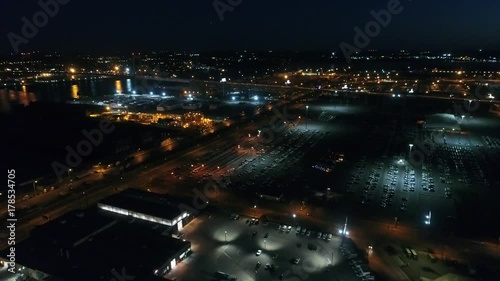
column 428, row 218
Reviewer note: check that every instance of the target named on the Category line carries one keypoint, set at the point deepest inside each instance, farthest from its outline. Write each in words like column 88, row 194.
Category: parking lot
column 375, row 181
column 262, row 251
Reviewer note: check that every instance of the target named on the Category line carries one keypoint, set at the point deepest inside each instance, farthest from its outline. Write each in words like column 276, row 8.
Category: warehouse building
column 96, row 244
column 147, row 206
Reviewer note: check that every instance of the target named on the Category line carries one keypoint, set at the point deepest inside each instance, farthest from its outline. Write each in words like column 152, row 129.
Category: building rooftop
column 145, row 203
column 134, row 247
column 71, row 228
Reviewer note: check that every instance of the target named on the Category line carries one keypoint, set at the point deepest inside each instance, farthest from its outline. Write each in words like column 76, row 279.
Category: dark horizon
column 255, row 51
column 198, row 27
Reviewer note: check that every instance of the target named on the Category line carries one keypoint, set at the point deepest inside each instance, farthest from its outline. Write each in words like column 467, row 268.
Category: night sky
column 147, row 25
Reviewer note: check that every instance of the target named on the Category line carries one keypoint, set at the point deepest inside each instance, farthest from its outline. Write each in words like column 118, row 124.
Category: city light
column 344, row 230
column 428, row 218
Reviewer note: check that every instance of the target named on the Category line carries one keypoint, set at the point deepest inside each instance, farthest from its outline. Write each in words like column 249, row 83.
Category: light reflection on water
column 74, row 91
column 60, row 91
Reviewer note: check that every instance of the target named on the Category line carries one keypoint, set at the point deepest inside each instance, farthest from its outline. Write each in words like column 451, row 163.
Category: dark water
column 62, row 91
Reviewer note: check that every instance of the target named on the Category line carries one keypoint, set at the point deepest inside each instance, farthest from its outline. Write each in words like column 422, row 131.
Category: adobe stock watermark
column 223, row 6
column 201, row 198
column 302, row 271
column 84, row 148
column 277, row 124
column 148, row 81
column 468, row 106
column 30, row 28
column 372, row 29
column 121, row 276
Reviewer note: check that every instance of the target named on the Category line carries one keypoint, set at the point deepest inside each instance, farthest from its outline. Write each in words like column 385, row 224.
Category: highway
column 52, row 204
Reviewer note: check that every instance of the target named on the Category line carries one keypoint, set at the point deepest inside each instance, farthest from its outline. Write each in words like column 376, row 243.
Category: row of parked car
column 359, row 267
column 320, row 235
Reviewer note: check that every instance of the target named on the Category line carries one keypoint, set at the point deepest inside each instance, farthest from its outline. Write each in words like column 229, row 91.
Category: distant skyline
column 106, row 27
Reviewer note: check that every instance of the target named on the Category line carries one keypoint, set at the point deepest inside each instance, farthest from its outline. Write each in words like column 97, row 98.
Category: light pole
column 223, row 81
column 34, row 187
column 409, row 154
column 307, row 114
column 69, row 172
column 254, row 211
column 265, row 247
column 428, row 218
column 225, row 236
column 344, row 231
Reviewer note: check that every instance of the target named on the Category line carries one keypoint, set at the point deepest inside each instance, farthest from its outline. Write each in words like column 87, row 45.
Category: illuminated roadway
column 265, row 86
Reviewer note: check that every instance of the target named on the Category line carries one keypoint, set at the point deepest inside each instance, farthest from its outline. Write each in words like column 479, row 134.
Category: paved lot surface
column 235, row 252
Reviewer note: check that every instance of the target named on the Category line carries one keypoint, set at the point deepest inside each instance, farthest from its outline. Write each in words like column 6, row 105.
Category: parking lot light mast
column 344, row 232
column 409, row 154
column 225, row 236
column 428, row 218
column 34, row 187
column 307, row 114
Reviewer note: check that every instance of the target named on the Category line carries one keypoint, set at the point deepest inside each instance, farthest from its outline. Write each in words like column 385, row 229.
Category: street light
column 223, row 81
column 307, row 114
column 428, row 218
column 34, row 187
column 225, row 236
column 344, row 231
column 265, row 248
column 69, row 171
column 409, row 155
